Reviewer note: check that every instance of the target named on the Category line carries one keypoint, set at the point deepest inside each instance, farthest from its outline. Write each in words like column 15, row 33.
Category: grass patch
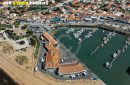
column 37, row 46
column 13, row 35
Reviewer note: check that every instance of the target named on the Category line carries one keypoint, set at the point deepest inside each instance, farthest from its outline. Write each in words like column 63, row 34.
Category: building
column 52, row 59
column 70, row 69
column 50, row 39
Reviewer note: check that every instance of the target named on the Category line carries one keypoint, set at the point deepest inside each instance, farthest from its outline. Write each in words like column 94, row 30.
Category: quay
column 104, row 26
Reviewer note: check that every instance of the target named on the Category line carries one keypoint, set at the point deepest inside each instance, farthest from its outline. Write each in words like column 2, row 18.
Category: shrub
column 21, row 59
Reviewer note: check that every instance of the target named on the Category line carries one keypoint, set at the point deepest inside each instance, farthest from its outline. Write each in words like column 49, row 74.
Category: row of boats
column 79, row 33
column 116, row 54
column 105, row 41
column 90, row 33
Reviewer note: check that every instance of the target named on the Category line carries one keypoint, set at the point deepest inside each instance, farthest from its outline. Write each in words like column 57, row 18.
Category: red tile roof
column 53, row 54
column 70, row 68
column 50, row 39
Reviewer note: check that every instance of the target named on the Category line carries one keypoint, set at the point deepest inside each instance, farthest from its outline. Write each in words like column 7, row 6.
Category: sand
column 27, row 76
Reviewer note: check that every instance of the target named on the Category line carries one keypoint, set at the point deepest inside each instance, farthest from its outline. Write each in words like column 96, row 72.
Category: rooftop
column 50, row 39
column 71, row 68
column 53, row 54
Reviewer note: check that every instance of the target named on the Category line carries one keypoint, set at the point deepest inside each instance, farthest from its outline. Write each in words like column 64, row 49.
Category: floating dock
column 105, row 40
column 119, row 51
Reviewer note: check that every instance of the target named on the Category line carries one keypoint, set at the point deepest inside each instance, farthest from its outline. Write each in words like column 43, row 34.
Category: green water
column 115, row 76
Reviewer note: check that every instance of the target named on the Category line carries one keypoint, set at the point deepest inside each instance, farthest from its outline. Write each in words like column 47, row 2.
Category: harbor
column 96, row 61
column 105, row 41
column 117, row 54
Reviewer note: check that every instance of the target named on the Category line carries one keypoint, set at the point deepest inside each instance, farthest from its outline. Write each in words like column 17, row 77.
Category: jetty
column 105, row 41
column 116, row 54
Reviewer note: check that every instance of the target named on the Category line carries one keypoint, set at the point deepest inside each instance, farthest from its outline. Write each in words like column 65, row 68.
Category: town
column 27, row 36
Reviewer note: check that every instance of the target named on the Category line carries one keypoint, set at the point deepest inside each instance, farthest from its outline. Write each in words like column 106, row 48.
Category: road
column 42, row 52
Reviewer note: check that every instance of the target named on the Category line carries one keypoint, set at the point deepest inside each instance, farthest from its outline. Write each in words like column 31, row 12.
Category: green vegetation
column 29, row 33
column 7, row 48
column 21, row 60
column 12, row 35
column 16, row 23
column 37, row 46
column 1, row 10
column 33, row 41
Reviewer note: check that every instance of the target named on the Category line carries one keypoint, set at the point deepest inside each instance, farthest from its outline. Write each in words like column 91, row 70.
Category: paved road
column 42, row 52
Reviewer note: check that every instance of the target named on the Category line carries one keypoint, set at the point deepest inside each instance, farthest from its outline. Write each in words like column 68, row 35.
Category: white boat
column 118, row 52
column 104, row 38
column 105, row 42
column 115, row 55
column 107, row 65
column 71, row 29
column 123, row 50
column 126, row 47
column 79, row 39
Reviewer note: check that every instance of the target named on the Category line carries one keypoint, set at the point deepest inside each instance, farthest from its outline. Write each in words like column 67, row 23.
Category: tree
column 29, row 33
column 33, row 41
